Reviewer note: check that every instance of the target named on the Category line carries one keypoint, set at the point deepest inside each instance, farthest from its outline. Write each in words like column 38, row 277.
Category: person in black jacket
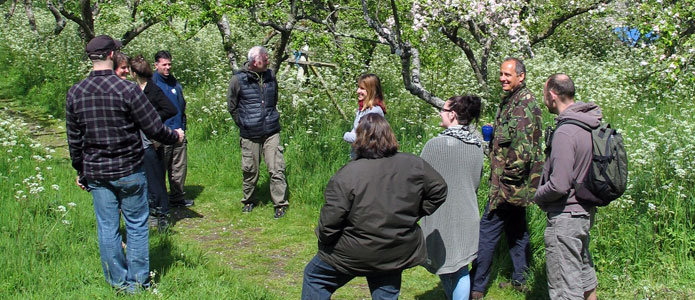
column 154, row 168
column 369, row 223
column 252, row 101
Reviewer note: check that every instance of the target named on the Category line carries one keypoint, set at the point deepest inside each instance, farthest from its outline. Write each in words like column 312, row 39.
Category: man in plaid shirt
column 104, row 115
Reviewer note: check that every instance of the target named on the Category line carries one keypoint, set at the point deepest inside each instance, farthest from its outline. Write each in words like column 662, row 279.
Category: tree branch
column 410, row 57
column 134, row 11
column 135, row 31
column 60, row 21
column 10, row 12
column 562, row 19
column 452, row 35
column 84, row 26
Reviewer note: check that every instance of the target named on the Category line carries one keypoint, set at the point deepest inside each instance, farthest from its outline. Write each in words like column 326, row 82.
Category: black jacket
column 252, row 100
column 369, row 221
column 161, row 103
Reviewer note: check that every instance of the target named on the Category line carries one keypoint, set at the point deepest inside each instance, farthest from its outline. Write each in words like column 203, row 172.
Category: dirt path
column 47, row 130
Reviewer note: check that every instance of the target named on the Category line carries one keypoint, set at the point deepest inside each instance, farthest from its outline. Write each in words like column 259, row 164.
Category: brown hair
column 375, row 139
column 118, row 59
column 141, row 67
column 467, row 108
column 372, row 84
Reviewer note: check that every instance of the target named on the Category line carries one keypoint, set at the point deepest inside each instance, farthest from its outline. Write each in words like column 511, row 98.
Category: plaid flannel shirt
column 103, row 117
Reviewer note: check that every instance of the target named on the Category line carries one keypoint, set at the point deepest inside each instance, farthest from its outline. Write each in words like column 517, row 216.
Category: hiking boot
column 280, row 212
column 248, row 207
column 519, row 287
column 475, row 295
column 152, row 222
column 162, row 224
column 183, row 203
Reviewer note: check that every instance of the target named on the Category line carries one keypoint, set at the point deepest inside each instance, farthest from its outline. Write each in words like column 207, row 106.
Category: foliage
column 673, row 22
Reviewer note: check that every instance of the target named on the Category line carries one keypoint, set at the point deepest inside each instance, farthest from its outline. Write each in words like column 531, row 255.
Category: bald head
column 562, row 86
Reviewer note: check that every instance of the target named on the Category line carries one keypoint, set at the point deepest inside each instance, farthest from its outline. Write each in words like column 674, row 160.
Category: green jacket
column 516, row 157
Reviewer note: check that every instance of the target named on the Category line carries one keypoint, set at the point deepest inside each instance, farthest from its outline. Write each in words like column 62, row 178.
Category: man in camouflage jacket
column 516, row 164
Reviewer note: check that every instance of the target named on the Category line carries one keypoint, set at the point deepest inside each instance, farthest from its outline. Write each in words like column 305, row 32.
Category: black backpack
column 606, row 179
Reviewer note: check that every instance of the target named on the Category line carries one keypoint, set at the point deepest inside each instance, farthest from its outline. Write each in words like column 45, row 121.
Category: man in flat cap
column 104, row 116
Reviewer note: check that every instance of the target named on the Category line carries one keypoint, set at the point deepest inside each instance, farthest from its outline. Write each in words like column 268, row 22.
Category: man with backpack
column 569, row 157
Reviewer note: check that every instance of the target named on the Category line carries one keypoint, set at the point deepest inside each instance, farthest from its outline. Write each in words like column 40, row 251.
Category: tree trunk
column 280, row 46
column 30, row 15
column 226, row 32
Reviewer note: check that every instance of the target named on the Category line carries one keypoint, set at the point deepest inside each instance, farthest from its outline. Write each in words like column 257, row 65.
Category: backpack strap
column 577, row 185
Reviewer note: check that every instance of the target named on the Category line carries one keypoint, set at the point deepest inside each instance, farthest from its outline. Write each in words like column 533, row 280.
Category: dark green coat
column 369, row 221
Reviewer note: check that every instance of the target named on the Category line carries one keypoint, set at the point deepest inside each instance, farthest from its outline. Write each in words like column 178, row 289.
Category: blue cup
column 487, row 133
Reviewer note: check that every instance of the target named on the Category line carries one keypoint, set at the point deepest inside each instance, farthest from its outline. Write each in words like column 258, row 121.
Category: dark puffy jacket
column 369, row 221
column 252, row 100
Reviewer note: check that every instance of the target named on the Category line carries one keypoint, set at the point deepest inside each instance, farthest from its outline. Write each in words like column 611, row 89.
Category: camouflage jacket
column 516, row 157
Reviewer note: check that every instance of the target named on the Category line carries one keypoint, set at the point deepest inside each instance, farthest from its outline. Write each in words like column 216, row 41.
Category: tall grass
column 642, row 244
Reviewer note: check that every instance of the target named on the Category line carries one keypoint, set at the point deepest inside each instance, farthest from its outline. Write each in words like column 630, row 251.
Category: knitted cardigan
column 452, row 231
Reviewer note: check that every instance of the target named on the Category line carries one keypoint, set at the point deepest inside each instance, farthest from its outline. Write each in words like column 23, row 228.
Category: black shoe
column 184, row 203
column 248, row 207
column 280, row 212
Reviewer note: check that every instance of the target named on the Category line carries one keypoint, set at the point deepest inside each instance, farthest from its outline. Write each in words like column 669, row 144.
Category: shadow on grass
column 436, row 293
column 193, row 191
column 262, row 193
column 164, row 254
column 180, row 213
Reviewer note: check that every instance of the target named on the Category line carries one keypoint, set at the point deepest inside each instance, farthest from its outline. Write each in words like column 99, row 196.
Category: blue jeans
column 321, row 280
column 511, row 219
column 156, row 184
column 129, row 193
column 457, row 285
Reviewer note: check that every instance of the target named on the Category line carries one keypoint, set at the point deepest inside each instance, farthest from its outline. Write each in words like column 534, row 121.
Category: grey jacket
column 369, row 222
column 568, row 161
column 350, row 135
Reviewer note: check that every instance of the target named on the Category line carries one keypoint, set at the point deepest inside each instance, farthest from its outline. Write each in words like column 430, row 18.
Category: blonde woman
column 370, row 100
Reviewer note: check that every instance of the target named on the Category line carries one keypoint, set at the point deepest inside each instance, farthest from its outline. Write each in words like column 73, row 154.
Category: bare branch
column 269, row 36
column 271, row 24
column 480, row 74
column 10, row 12
column 30, row 15
column 135, row 31
column 86, row 24
column 410, row 58
column 60, row 21
column 134, row 11
column 563, row 18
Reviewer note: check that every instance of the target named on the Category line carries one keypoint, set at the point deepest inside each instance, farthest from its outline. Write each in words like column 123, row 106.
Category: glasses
column 444, row 110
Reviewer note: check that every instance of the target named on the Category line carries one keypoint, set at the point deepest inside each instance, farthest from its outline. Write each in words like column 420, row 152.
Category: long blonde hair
column 372, row 84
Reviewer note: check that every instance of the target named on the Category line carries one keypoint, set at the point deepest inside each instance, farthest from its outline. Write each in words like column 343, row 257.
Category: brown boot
column 475, row 295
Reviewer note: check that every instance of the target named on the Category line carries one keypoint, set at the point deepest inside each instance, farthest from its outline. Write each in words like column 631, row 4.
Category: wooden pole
column 325, row 86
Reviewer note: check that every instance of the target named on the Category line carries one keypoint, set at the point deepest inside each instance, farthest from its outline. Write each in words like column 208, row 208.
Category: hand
column 181, row 134
column 77, row 181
